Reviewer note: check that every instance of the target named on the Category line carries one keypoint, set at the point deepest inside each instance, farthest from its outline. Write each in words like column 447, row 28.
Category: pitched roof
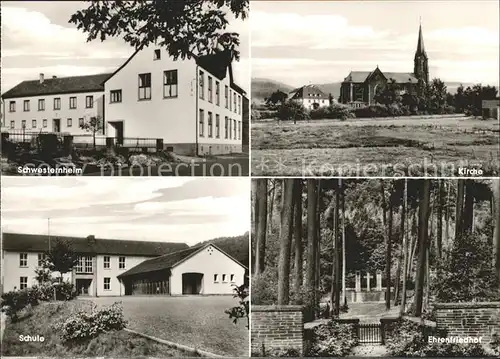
column 169, row 261
column 399, row 77
column 58, row 85
column 310, row 92
column 20, row 242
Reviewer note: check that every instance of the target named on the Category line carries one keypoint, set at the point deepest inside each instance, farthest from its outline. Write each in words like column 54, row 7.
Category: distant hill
column 263, row 88
column 236, row 247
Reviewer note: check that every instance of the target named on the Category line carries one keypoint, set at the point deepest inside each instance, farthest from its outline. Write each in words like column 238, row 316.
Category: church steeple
column 421, row 66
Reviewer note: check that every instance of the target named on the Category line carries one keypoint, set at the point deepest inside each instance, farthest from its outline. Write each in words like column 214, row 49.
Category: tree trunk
column 402, row 254
column 317, row 277
column 336, row 252
column 405, row 251
column 468, row 211
column 447, row 215
column 496, row 228
column 439, row 238
column 422, row 239
column 459, row 209
column 388, row 234
column 344, row 298
column 298, row 235
column 311, row 243
column 271, row 208
column 261, row 211
column 285, row 243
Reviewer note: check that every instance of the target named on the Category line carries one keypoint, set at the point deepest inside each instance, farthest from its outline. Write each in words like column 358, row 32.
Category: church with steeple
column 359, row 87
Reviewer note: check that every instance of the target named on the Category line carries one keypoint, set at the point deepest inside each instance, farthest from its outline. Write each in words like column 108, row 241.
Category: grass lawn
column 374, row 147
column 42, row 320
column 195, row 321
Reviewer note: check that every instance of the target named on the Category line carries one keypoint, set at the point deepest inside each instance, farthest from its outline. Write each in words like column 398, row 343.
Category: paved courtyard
column 195, row 321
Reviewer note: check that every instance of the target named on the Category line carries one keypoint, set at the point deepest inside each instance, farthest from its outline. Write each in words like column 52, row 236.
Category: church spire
column 421, row 66
column 420, row 44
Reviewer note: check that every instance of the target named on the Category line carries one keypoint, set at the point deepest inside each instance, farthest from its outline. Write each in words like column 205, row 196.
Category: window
column 226, row 94
column 12, row 106
column 145, row 86
column 170, row 83
column 23, row 282
column 210, row 128
column 84, row 265
column 217, row 93
column 217, row 126
column 12, row 124
column 202, row 123
column 239, row 105
column 57, row 103
column 225, row 127
column 26, row 105
column 23, row 124
column 216, row 278
column 157, row 55
column 239, row 130
column 33, row 123
column 223, row 278
column 234, row 102
column 41, row 105
column 121, row 262
column 80, row 122
column 230, row 100
column 234, row 129
column 69, row 122
column 210, row 89
column 41, row 259
column 72, row 103
column 44, row 122
column 231, row 278
column 107, row 283
column 89, row 101
column 230, row 129
column 23, row 259
column 107, row 260
column 202, row 85
column 115, row 96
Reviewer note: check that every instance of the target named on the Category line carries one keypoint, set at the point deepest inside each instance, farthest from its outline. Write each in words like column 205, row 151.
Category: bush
column 85, row 325
column 65, row 291
column 292, row 111
column 371, row 111
column 333, row 340
column 264, row 287
column 14, row 302
column 335, row 111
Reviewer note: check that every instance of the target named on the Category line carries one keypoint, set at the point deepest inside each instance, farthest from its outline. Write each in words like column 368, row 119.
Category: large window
column 217, row 126
column 12, row 106
column 210, row 124
column 226, row 121
column 230, row 100
column 69, row 122
column 230, row 127
column 33, row 123
column 72, row 102
column 12, row 124
column 217, row 93
column 89, row 101
column 145, row 86
column 121, row 262
column 41, row 104
column 84, row 264
column 44, row 123
column 170, row 83
column 226, row 94
column 107, row 283
column 23, row 282
column 115, row 96
column 107, row 262
column 239, row 130
column 23, row 124
column 26, row 105
column 234, row 129
column 201, row 123
column 202, row 85
column 57, row 103
column 23, row 259
column 239, row 105
column 234, row 102
column 210, row 98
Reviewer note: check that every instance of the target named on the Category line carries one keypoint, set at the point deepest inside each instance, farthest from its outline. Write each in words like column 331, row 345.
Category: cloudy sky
column 319, row 42
column 156, row 209
column 37, row 38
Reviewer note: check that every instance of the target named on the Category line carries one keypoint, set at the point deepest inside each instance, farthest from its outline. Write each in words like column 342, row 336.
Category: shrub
column 333, row 340
column 264, row 287
column 283, row 353
column 371, row 111
column 292, row 111
column 334, row 111
column 84, row 325
column 14, row 302
column 65, row 291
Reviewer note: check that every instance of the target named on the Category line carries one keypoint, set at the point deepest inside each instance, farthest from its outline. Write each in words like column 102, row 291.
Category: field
column 436, row 146
column 195, row 321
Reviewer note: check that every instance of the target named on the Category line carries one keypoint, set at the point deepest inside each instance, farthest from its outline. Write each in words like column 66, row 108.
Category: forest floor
column 375, row 147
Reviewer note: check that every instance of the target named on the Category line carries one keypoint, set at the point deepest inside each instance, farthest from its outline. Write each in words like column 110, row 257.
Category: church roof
column 420, row 44
column 309, row 91
column 399, row 77
column 357, row 76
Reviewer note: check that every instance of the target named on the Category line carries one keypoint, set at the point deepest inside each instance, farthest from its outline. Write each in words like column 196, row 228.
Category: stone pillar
column 379, row 281
column 368, row 277
column 358, row 281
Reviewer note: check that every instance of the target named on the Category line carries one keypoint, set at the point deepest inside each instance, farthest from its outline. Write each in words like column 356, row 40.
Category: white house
column 311, row 96
column 202, row 269
column 54, row 104
column 100, row 262
column 192, row 104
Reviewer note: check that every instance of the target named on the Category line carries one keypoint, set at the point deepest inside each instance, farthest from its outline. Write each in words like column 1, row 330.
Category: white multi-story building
column 311, row 96
column 122, row 267
column 54, row 104
column 194, row 105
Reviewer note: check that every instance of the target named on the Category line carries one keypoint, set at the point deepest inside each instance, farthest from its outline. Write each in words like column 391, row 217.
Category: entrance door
column 83, row 286
column 118, row 126
column 192, row 283
column 56, row 125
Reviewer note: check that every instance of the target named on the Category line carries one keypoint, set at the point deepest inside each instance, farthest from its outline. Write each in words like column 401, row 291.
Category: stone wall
column 469, row 319
column 277, row 328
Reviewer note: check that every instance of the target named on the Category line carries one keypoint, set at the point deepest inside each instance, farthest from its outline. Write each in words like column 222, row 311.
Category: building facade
column 100, row 261
column 311, row 96
column 193, row 104
column 54, row 104
column 360, row 87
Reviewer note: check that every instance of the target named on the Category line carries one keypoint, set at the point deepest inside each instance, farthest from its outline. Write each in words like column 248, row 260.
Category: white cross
column 368, row 277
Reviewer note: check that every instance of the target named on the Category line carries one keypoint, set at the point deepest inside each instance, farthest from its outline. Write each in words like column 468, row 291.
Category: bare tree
column 298, row 235
column 285, row 243
column 405, row 249
column 261, row 227
column 311, row 240
column 422, row 239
